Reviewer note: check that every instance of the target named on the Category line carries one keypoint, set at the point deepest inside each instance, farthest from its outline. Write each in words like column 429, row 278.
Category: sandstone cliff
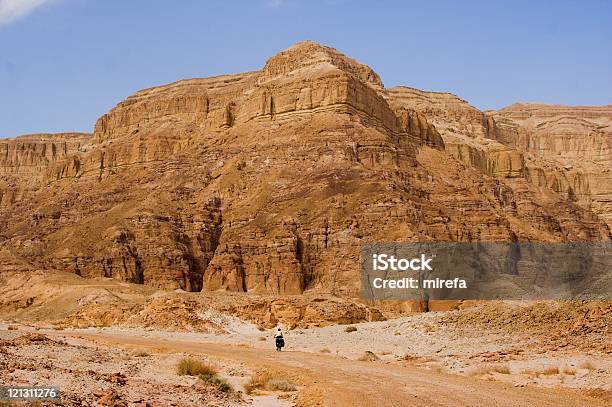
column 569, row 149
column 563, row 148
column 24, row 161
column 269, row 182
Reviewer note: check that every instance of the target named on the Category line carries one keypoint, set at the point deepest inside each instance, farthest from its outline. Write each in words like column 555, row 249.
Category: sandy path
column 344, row 382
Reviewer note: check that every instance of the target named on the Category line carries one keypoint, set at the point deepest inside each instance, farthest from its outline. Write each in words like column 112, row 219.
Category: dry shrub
column 368, row 356
column 504, row 369
column 478, row 370
column 269, row 381
column 193, row 367
column 569, row 371
column 485, row 369
column 350, row 329
column 219, row 383
column 587, row 365
column 551, row 370
column 281, row 385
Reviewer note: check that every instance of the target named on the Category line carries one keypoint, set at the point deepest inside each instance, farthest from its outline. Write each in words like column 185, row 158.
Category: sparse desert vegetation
column 550, row 370
column 264, row 380
column 194, row 367
column 503, row 369
column 204, row 371
column 569, row 371
column 368, row 356
column 587, row 365
column 488, row 368
column 214, row 380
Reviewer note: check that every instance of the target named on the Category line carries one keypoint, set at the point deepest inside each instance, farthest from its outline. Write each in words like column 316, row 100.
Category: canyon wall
column 566, row 149
column 24, row 161
column 270, row 181
column 569, row 149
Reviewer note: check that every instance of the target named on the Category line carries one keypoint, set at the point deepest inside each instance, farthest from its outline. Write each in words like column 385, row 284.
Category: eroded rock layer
column 269, row 182
column 567, row 149
column 24, row 161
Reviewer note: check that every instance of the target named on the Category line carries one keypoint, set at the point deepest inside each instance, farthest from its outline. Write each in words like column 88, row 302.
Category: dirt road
column 333, row 381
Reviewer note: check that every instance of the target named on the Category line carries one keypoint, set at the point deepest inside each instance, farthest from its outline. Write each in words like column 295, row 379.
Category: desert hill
column 269, row 181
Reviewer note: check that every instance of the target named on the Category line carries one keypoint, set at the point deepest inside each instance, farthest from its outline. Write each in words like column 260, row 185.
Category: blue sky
column 64, row 63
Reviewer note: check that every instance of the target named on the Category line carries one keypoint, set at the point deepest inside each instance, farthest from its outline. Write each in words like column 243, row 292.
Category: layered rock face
column 24, row 161
column 270, row 181
column 563, row 148
column 569, row 149
column 467, row 132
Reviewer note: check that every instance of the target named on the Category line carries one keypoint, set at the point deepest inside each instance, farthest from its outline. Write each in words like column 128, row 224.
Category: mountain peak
column 308, row 55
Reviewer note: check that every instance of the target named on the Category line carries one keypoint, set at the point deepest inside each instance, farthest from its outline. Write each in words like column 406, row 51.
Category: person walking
column 279, row 340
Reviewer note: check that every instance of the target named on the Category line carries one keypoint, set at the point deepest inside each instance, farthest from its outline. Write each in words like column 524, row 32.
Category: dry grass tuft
column 551, row 370
column 368, row 356
column 503, row 369
column 281, row 385
column 569, row 371
column 478, row 370
column 587, row 365
column 485, row 369
column 219, row 383
column 269, row 381
column 206, row 372
column 193, row 367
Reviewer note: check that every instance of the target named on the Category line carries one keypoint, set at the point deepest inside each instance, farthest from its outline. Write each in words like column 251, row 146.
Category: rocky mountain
column 567, row 149
column 24, row 161
column 269, row 181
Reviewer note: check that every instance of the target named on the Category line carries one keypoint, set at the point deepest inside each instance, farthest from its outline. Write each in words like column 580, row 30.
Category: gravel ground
column 94, row 375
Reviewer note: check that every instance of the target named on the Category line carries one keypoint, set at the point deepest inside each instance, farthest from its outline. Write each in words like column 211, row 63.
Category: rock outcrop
column 569, row 149
column 563, row 148
column 467, row 132
column 269, row 182
column 24, row 161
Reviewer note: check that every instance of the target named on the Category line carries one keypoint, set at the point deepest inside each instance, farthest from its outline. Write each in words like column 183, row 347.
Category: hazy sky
column 64, row 63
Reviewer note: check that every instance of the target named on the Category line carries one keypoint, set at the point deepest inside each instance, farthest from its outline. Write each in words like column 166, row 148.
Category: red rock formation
column 569, row 149
column 563, row 148
column 270, row 181
column 24, row 161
